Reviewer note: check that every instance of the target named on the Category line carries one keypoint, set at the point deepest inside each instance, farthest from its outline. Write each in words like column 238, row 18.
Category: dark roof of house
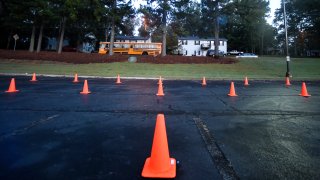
column 199, row 39
column 131, row 38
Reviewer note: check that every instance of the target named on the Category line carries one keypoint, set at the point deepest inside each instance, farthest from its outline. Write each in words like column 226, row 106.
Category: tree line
column 303, row 20
column 241, row 22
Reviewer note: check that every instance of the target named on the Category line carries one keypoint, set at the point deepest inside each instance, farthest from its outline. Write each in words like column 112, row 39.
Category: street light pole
column 286, row 31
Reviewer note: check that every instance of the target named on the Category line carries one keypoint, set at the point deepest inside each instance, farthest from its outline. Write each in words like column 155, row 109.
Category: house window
column 199, row 53
column 196, row 42
column 186, row 52
column 195, row 53
column 184, row 42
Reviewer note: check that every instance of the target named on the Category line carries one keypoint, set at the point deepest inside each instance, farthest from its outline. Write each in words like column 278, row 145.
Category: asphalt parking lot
column 50, row 131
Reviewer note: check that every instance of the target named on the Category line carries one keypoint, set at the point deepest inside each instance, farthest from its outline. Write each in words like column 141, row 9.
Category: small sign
column 288, row 58
column 16, row 37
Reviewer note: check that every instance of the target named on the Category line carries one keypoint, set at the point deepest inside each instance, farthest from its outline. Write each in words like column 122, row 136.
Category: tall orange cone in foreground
column 304, row 91
column 159, row 164
column 75, row 80
column 160, row 80
column 12, row 87
column 246, row 82
column 232, row 90
column 34, row 79
column 288, row 81
column 85, row 89
column 160, row 90
column 118, row 80
column 204, row 82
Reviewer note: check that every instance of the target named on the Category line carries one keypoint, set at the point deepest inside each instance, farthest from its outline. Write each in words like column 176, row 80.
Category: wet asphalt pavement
column 50, row 131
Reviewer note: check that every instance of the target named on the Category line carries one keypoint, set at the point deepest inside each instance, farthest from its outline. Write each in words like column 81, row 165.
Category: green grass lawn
column 262, row 68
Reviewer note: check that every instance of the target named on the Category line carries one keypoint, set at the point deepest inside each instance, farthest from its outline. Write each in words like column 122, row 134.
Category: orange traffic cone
column 118, row 80
column 232, row 90
column 159, row 164
column 246, row 82
column 12, row 87
column 160, row 90
column 204, row 82
column 304, row 91
column 34, row 79
column 288, row 81
column 75, row 80
column 85, row 89
column 160, row 80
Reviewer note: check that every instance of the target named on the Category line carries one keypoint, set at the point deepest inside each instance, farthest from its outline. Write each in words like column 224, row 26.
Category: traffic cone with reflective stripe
column 204, row 82
column 304, row 91
column 160, row 90
column 160, row 80
column 75, row 80
column 288, row 81
column 159, row 164
column 34, row 78
column 85, row 89
column 118, row 80
column 246, row 82
column 232, row 90
column 12, row 87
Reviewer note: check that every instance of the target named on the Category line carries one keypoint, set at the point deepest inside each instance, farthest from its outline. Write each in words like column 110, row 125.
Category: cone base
column 33, row 80
column 75, row 81
column 305, row 95
column 246, row 84
column 11, row 91
column 118, row 82
column 148, row 172
column 160, row 94
column 232, row 95
column 85, row 92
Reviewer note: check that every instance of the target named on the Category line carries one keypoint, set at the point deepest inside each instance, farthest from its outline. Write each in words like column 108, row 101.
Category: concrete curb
column 155, row 78
column 71, row 76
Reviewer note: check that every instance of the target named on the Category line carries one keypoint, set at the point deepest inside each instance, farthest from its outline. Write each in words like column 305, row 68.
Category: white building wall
column 194, row 49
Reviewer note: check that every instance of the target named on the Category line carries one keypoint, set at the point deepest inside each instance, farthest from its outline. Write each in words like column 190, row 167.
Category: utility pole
column 286, row 31
column 216, row 29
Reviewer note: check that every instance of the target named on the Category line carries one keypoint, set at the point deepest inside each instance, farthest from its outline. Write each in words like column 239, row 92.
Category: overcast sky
column 274, row 4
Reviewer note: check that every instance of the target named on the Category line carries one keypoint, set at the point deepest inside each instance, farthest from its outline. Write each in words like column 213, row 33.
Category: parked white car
column 247, row 55
column 234, row 52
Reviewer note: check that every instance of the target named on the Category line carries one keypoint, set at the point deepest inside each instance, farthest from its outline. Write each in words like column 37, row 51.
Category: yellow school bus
column 132, row 48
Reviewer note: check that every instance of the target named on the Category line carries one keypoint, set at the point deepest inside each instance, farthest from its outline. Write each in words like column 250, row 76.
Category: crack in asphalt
column 173, row 111
column 225, row 103
column 222, row 163
column 29, row 126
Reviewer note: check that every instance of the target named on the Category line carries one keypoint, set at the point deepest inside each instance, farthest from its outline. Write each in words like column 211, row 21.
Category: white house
column 133, row 39
column 195, row 46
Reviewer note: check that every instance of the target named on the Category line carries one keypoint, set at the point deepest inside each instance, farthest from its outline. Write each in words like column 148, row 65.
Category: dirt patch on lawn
column 84, row 58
